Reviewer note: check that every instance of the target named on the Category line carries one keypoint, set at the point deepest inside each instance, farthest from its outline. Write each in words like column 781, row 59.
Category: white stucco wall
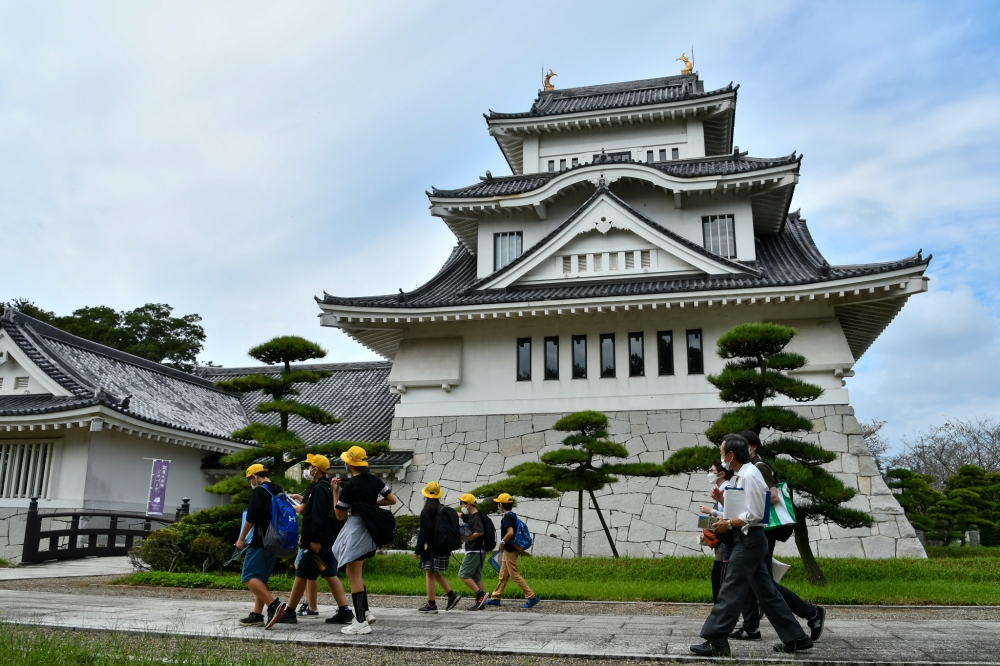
column 688, row 138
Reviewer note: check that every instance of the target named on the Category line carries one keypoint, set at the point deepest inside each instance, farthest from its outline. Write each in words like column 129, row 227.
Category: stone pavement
column 91, row 566
column 662, row 638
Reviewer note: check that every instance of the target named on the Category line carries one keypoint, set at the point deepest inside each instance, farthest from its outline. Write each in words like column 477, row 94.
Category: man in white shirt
column 747, row 568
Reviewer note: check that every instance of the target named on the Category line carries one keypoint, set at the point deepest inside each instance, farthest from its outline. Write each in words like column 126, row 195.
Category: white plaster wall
column 636, row 138
column 10, row 372
column 489, row 386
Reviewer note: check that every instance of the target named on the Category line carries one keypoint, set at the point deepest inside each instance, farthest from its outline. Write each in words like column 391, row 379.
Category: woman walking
column 433, row 563
column 354, row 544
column 718, row 477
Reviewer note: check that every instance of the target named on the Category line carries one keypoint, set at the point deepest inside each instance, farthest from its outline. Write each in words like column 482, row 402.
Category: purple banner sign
column 158, row 488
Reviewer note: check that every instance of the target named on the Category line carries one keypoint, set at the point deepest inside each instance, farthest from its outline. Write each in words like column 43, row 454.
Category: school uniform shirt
column 317, row 526
column 475, row 524
column 765, row 470
column 751, row 481
column 509, row 522
column 259, row 512
column 365, row 488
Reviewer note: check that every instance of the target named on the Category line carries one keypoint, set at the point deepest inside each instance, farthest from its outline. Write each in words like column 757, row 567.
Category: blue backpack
column 282, row 536
column 522, row 537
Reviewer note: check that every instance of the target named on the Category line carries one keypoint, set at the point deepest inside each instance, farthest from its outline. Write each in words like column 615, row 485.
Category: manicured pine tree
column 756, row 372
column 917, row 497
column 970, row 502
column 583, row 466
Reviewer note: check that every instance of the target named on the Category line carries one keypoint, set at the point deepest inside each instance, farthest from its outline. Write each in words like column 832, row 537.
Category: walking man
column 471, row 571
column 747, row 569
column 258, row 563
column 508, row 565
column 319, row 531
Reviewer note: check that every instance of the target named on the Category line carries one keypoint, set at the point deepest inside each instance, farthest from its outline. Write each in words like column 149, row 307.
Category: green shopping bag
column 782, row 513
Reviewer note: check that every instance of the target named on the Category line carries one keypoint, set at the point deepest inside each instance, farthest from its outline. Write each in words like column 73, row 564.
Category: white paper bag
column 778, row 569
column 734, row 502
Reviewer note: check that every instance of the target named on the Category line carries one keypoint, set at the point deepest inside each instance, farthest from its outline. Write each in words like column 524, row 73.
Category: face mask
column 712, row 479
column 465, row 510
column 725, row 464
column 307, row 474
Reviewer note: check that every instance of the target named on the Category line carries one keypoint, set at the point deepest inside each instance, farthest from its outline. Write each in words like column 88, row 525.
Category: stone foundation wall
column 12, row 522
column 648, row 517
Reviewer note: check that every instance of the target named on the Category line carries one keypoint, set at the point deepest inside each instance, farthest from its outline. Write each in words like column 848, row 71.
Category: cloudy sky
column 236, row 159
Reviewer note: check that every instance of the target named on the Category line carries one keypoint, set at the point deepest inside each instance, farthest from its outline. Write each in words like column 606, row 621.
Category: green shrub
column 406, row 532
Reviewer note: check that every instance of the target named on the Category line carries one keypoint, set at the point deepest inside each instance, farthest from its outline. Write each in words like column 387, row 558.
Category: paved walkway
column 91, row 566
column 662, row 638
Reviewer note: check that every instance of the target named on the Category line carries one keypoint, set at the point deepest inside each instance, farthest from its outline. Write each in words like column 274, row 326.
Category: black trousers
column 747, row 571
column 718, row 573
column 751, row 609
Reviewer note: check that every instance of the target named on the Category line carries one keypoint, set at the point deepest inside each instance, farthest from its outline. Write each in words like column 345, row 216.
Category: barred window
column 24, row 469
column 720, row 235
column 506, row 248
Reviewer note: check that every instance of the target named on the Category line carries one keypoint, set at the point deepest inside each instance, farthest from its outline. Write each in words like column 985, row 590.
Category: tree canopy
column 149, row 331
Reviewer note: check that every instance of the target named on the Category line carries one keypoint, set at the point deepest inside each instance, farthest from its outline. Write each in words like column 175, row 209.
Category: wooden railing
column 66, row 543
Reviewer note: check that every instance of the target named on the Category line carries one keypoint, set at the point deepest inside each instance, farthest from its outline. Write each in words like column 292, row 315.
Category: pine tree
column 756, row 372
column 917, row 497
column 581, row 467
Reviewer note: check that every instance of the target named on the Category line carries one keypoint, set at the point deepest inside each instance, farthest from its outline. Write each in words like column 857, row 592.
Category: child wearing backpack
column 514, row 539
column 258, row 562
column 482, row 538
column 438, row 536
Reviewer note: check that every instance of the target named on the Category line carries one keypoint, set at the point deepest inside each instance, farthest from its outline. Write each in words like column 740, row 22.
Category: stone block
column 537, row 510
column 679, row 481
column 712, row 415
column 422, row 459
column 851, row 425
column 407, row 423
column 662, row 516
column 695, row 427
column 639, row 484
column 638, row 430
column 667, row 422
column 619, row 427
column 671, row 497
column 690, row 414
column 420, row 422
column 450, row 426
column 513, row 461
column 474, row 457
column 475, row 436
column 640, row 530
column 432, row 473
column 849, row 480
column 887, row 528
column 879, row 487
column 835, row 465
column 885, row 504
column 655, row 457
column 842, row 409
column 494, row 427
column 628, row 502
column 840, row 548
column 566, row 515
column 542, row 422
column 543, row 544
column 867, row 466
column 456, row 438
column 865, row 485
column 596, row 543
column 635, row 446
column 819, row 425
column 833, row 441
column 397, row 423
column 911, row 548
column 655, row 441
column 492, row 446
column 856, row 444
column 677, row 441
column 492, row 465
column 532, row 442
column 635, row 549
column 554, row 437
column 618, row 519
column 515, row 429
column 511, row 447
column 838, row 532
column 638, row 416
column 906, row 530
column 835, row 423
column 443, row 457
column 850, row 463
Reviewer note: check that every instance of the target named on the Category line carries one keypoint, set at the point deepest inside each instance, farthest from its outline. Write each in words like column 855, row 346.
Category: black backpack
column 489, row 533
column 447, row 536
column 379, row 522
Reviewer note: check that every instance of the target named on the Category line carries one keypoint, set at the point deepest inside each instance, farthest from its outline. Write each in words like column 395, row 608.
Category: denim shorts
column 304, row 567
column 257, row 563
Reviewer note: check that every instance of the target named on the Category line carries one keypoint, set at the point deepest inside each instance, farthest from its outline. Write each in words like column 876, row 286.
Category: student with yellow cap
column 354, row 544
column 508, row 565
column 432, row 560
column 258, row 563
column 315, row 557
column 471, row 571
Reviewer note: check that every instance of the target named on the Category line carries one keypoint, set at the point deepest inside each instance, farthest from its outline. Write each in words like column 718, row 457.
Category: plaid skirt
column 436, row 564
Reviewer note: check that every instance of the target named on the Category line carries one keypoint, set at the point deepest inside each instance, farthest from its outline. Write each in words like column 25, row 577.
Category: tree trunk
column 813, row 572
column 284, row 421
column 600, row 516
column 579, row 526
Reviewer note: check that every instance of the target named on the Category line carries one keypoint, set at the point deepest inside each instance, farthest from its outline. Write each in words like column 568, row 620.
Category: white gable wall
column 636, row 138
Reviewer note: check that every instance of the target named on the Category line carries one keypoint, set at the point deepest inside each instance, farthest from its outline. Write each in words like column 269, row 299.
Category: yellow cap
column 504, row 498
column 468, row 498
column 256, row 468
column 322, row 463
column 432, row 490
column 355, row 457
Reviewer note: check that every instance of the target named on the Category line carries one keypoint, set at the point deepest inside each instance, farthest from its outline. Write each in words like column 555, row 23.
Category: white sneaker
column 356, row 627
column 369, row 618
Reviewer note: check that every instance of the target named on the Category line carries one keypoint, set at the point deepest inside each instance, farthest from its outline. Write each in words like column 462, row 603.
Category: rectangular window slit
column 675, row 153
column 607, row 355
column 649, row 155
column 665, row 352
column 552, row 358
column 579, row 357
column 552, row 165
column 663, row 154
column 636, row 362
column 613, row 261
column 629, row 260
column 524, row 359
column 696, row 360
column 562, row 165
column 644, row 258
column 506, row 248
column 567, row 264
column 20, row 383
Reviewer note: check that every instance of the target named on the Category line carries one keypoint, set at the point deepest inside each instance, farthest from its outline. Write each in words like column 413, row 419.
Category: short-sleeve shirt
column 259, row 512
column 765, row 470
column 475, row 523
column 364, row 488
column 509, row 522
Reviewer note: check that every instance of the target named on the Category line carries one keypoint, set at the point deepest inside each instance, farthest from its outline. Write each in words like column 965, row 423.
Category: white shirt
column 719, row 508
column 750, row 480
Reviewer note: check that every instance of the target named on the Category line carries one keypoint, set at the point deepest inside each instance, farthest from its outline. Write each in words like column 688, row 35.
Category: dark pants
column 747, row 571
column 751, row 609
column 718, row 573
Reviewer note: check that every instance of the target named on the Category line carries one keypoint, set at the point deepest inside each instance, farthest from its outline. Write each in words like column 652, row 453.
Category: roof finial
column 547, row 84
column 688, row 67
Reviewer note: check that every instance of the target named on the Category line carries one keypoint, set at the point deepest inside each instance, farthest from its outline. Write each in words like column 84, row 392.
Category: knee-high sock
column 358, row 598
column 364, row 598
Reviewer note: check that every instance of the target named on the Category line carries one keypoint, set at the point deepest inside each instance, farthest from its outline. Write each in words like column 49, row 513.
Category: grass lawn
column 963, row 577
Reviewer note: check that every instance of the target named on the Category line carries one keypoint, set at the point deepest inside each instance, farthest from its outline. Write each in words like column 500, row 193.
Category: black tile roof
column 787, row 258
column 614, row 96
column 691, row 168
column 96, row 374
column 357, row 393
column 391, row 460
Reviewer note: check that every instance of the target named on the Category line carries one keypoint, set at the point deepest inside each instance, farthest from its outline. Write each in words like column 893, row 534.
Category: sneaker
column 803, row 643
column 745, row 635
column 274, row 612
column 369, row 618
column 816, row 623
column 709, row 649
column 288, row 617
column 305, row 610
column 342, row 617
column 429, row 609
column 253, row 620
column 530, row 603
column 480, row 602
column 491, row 602
column 357, row 628
column 453, row 600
